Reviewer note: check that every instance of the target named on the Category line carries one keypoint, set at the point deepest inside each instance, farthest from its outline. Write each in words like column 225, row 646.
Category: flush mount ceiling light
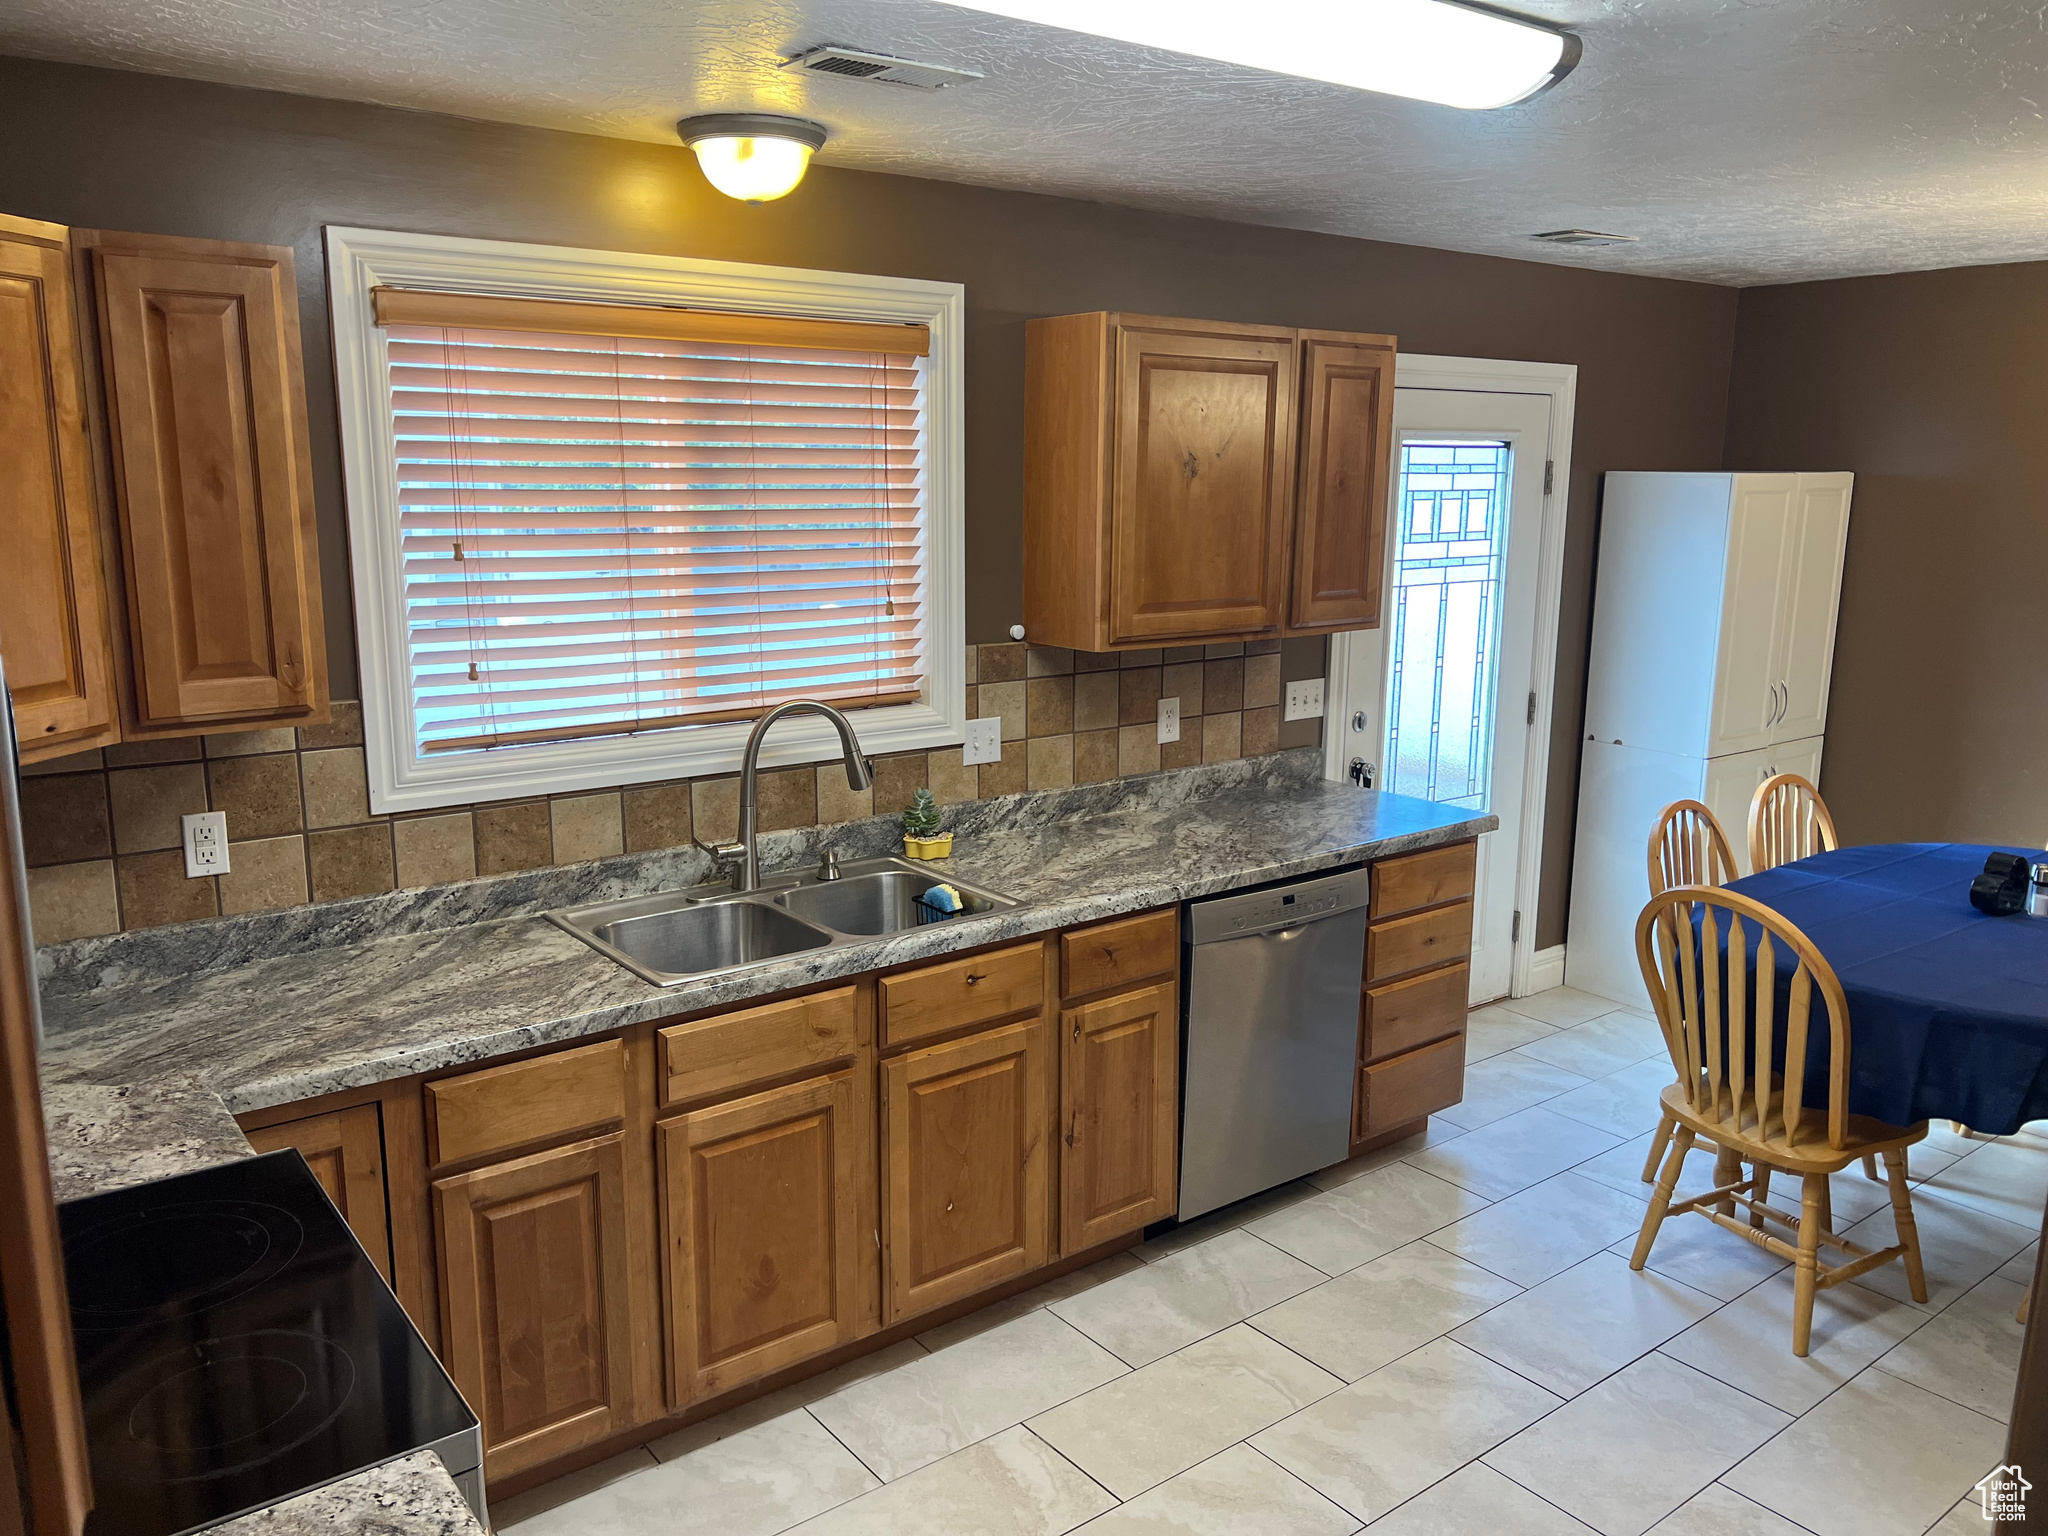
column 753, row 156
column 1429, row 50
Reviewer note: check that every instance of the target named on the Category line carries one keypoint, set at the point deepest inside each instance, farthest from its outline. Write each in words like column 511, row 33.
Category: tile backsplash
column 103, row 829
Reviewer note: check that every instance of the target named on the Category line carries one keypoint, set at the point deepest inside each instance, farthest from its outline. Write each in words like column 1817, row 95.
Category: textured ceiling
column 1745, row 141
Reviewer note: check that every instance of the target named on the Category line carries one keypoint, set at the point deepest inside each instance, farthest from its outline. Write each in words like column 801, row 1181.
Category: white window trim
column 361, row 260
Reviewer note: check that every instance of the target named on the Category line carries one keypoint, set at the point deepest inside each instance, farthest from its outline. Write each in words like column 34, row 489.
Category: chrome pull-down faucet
column 741, row 856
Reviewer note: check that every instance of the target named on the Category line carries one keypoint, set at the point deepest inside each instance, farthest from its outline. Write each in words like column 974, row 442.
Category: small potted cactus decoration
column 922, row 838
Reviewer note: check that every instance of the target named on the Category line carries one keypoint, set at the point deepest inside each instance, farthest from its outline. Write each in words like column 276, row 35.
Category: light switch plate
column 206, row 844
column 1169, row 720
column 984, row 741
column 1304, row 699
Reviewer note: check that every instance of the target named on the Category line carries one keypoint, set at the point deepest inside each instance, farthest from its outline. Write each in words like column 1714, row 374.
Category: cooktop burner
column 236, row 1346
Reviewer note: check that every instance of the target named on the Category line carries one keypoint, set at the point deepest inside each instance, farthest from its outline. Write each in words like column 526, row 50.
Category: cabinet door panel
column 206, row 413
column 1812, row 598
column 53, row 619
column 535, row 1318
column 1730, row 785
column 1746, row 675
column 1340, row 531
column 1119, row 1077
column 761, row 1221
column 1203, row 484
column 965, row 1180
column 345, row 1150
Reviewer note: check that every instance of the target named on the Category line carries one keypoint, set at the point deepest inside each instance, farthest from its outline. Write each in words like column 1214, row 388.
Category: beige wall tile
column 1001, row 663
column 1049, row 762
column 1138, row 697
column 1177, row 655
column 64, row 819
column 154, row 890
column 264, row 875
column 1007, row 777
column 1049, row 706
column 510, row 837
column 1223, row 648
column 1261, row 732
column 434, row 850
column 343, row 729
column 788, row 798
column 897, row 779
column 837, row 803
column 1047, row 660
column 1262, row 681
column 71, row 762
column 149, row 805
column 1187, row 752
column 657, row 816
column 1137, row 749
column 1262, row 647
column 1095, row 756
column 351, row 861
column 715, row 809
column 1183, row 681
column 168, row 749
column 1095, row 700
column 971, row 696
column 587, row 827
column 337, row 787
column 1222, row 737
column 951, row 781
column 1150, row 658
column 1008, row 701
column 73, row 901
column 259, row 795
column 248, row 743
column 1223, row 686
column 1095, row 661
column 973, row 665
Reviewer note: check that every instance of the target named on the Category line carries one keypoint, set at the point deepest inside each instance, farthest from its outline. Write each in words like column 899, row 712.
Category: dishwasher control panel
column 1287, row 906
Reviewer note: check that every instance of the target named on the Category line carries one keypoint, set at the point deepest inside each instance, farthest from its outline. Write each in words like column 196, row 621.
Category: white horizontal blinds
column 606, row 534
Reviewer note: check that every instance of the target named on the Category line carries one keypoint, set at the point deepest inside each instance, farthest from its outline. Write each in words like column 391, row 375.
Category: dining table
column 1948, row 1006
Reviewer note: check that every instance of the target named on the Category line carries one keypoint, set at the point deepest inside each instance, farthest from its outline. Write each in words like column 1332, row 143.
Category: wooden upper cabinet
column 203, row 388
column 53, row 613
column 1347, row 434
column 1195, row 481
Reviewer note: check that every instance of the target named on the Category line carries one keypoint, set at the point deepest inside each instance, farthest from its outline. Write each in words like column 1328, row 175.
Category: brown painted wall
column 1933, row 388
column 126, row 151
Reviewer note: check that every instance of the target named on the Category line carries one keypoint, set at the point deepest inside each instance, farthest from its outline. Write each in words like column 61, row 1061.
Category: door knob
column 1361, row 773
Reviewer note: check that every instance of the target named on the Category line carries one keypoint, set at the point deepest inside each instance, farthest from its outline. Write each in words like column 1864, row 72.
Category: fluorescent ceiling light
column 1430, row 50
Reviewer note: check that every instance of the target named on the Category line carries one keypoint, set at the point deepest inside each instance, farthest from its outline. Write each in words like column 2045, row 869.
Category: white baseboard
column 1546, row 969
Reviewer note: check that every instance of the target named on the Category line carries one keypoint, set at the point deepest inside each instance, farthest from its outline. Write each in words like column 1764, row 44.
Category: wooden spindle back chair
column 1788, row 820
column 1724, row 1029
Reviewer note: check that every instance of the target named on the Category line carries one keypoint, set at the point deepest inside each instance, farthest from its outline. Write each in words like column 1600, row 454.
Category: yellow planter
column 939, row 847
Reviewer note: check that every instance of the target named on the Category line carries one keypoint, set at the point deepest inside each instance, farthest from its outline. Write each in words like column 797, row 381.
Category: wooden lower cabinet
column 1119, row 1111
column 535, row 1312
column 966, row 1185
column 761, row 1227
column 345, row 1150
column 1411, row 1030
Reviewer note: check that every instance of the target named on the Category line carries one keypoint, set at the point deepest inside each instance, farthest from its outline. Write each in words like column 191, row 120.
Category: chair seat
column 1863, row 1137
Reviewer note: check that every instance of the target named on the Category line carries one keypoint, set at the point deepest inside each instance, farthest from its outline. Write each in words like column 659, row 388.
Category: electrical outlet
column 1169, row 720
column 206, row 844
column 1304, row 699
column 984, row 741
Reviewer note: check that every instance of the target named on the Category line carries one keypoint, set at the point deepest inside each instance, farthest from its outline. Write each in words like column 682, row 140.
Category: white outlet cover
column 1304, row 699
column 206, row 844
column 984, row 741
column 1169, row 720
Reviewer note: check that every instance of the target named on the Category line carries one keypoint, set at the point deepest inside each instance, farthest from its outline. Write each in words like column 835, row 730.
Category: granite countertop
column 412, row 1496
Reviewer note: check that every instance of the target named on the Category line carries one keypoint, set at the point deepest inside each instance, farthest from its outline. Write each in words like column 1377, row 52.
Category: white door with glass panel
column 1438, row 700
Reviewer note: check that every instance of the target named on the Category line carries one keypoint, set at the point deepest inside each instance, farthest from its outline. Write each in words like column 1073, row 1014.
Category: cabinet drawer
column 756, row 1045
column 1417, row 941
column 1404, row 1014
column 1409, row 1086
column 528, row 1101
column 1423, row 879
column 1119, row 954
column 976, row 990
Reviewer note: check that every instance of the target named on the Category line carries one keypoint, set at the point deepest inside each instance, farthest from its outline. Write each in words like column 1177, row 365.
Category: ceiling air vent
column 1584, row 237
column 882, row 68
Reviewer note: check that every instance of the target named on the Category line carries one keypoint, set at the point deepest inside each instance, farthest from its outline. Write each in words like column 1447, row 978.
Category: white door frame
column 1560, row 382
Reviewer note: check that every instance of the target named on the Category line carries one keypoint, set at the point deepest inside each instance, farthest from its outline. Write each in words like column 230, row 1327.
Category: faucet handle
column 726, row 858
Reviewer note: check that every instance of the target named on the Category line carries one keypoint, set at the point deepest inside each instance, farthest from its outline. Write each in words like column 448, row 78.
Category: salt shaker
column 2037, row 892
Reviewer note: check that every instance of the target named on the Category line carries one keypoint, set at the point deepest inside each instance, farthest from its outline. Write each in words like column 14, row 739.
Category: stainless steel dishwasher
column 1273, row 985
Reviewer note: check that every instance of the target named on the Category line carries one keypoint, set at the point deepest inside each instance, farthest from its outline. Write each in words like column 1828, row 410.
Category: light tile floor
column 1442, row 1338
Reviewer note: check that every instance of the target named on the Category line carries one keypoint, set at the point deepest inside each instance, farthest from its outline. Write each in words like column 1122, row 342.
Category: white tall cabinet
column 1713, row 641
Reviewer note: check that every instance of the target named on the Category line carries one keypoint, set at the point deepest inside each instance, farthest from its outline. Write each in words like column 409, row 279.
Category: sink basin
column 675, row 942
column 882, row 902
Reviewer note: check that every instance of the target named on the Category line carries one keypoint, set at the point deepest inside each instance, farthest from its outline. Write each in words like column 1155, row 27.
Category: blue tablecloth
column 1948, row 1008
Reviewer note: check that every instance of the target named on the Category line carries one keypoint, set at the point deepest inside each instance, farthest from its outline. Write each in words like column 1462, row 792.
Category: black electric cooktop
column 235, row 1347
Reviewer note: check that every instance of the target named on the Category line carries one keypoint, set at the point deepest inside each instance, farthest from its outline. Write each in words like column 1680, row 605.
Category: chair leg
column 1870, row 1169
column 1902, row 1218
column 1760, row 1194
column 1661, row 1201
column 1727, row 1170
column 1806, row 1276
column 1665, row 1124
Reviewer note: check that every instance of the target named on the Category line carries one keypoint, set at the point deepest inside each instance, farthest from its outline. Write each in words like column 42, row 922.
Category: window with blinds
column 617, row 520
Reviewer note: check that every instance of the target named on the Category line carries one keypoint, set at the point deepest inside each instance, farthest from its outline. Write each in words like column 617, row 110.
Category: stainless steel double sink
column 689, row 935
